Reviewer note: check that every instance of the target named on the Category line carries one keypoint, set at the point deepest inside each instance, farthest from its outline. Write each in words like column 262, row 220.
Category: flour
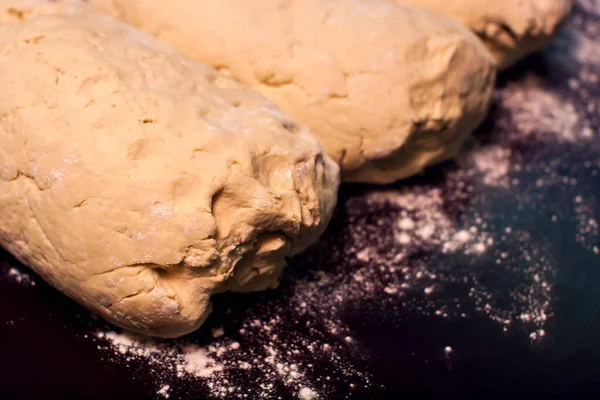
column 196, row 362
column 585, row 49
column 218, row 332
column 164, row 391
column 20, row 277
column 406, row 274
column 169, row 359
column 217, row 366
column 161, row 211
column 491, row 162
column 307, row 394
column 422, row 222
column 541, row 112
column 587, row 223
column 591, row 6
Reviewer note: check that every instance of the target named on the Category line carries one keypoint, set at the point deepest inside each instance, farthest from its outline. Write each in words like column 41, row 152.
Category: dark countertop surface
column 481, row 275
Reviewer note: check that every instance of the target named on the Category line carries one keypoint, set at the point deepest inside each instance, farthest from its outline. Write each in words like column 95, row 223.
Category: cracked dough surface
column 511, row 29
column 388, row 89
column 140, row 182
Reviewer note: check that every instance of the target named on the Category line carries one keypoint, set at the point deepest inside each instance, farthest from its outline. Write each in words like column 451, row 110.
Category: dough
column 511, row 29
column 140, row 182
column 388, row 89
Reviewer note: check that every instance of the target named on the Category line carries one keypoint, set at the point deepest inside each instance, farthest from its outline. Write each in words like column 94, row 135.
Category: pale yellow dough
column 140, row 182
column 388, row 89
column 511, row 29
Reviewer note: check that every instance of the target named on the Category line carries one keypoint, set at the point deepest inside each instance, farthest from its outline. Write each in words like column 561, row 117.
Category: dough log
column 511, row 29
column 388, row 89
column 140, row 182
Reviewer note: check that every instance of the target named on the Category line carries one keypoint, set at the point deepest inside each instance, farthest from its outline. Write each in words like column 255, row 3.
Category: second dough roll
column 388, row 89
column 511, row 29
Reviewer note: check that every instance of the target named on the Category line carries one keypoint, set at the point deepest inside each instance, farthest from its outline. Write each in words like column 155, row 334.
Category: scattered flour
column 218, row 332
column 402, row 272
column 161, row 211
column 307, row 394
column 164, row 391
column 587, row 222
column 423, row 222
column 492, row 162
column 585, row 49
column 221, row 365
column 196, row 362
column 21, row 278
column 543, row 113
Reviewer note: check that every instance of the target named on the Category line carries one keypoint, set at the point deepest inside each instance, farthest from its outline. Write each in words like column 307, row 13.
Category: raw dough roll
column 140, row 182
column 511, row 29
column 388, row 89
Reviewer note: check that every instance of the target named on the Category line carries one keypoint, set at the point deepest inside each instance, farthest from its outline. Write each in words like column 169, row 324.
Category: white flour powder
column 164, row 391
column 20, row 277
column 307, row 394
column 213, row 363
